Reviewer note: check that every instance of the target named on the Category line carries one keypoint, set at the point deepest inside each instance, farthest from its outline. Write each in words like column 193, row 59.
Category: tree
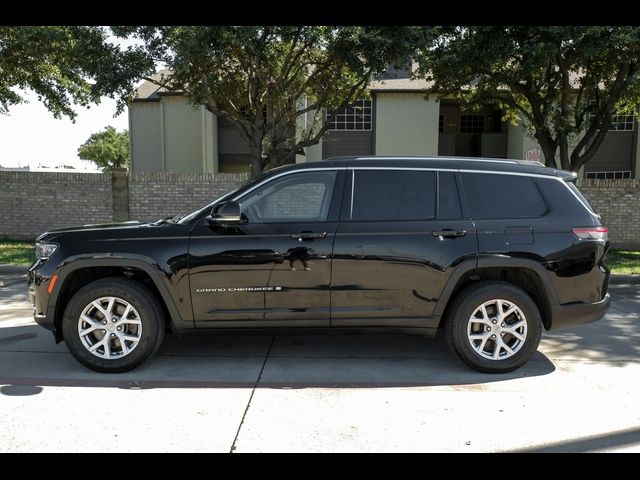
column 274, row 83
column 64, row 65
column 567, row 82
column 108, row 149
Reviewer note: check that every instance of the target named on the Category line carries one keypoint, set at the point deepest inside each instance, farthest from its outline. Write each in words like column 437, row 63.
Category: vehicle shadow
column 28, row 357
column 614, row 339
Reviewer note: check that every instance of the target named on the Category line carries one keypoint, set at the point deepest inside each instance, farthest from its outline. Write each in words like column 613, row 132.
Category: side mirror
column 228, row 212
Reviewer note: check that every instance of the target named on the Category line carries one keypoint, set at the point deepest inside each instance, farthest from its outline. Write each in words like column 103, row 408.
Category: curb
column 624, row 279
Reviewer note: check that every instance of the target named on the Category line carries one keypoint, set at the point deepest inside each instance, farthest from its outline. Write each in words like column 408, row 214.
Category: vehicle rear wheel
column 113, row 325
column 493, row 327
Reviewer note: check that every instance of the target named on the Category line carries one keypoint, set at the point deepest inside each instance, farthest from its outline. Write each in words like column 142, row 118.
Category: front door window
column 302, row 197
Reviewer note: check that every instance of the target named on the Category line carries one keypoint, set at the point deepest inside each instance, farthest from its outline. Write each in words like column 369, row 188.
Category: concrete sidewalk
column 10, row 274
column 332, row 392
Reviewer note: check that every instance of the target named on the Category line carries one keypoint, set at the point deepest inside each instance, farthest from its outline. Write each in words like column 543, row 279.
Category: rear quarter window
column 492, row 196
column 565, row 201
column 581, row 197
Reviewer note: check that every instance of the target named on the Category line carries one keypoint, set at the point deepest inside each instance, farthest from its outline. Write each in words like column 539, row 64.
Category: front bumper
column 38, row 279
column 565, row 316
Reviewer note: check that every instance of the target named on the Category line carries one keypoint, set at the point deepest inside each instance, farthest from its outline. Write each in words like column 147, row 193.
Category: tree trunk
column 565, row 160
column 548, row 150
column 255, row 153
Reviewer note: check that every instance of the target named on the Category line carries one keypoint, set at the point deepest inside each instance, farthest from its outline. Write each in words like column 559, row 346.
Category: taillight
column 591, row 233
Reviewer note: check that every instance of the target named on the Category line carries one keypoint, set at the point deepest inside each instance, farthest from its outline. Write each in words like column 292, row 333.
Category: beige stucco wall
column 210, row 136
column 519, row 142
column 314, row 152
column 183, row 142
column 514, row 142
column 145, row 135
column 406, row 124
column 172, row 136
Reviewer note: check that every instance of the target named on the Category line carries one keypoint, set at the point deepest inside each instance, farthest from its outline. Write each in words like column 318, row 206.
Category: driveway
column 310, row 392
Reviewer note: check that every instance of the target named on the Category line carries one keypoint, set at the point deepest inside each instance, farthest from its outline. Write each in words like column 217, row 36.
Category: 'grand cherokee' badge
column 238, row 289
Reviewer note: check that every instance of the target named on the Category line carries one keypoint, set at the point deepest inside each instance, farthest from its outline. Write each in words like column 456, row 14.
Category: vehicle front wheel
column 493, row 327
column 113, row 325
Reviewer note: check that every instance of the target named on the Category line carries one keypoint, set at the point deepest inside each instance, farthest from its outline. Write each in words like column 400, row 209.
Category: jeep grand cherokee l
column 491, row 251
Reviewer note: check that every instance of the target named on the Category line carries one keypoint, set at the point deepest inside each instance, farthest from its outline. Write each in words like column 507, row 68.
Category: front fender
column 180, row 313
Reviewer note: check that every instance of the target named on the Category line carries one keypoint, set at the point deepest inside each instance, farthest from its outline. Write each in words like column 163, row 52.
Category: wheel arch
column 80, row 272
column 523, row 273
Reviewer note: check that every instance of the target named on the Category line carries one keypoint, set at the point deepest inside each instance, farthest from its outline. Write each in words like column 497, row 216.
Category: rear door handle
column 307, row 236
column 448, row 233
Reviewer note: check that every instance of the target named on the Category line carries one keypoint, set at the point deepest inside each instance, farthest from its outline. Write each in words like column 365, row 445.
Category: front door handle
column 307, row 236
column 447, row 233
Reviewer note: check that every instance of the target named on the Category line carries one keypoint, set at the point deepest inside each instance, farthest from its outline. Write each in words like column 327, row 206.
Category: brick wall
column 618, row 202
column 156, row 195
column 33, row 202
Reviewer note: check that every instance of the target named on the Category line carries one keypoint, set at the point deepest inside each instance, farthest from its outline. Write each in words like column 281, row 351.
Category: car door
column 401, row 235
column 274, row 266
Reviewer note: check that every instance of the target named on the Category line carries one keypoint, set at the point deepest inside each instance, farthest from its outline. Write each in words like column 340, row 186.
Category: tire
column 515, row 344
column 141, row 331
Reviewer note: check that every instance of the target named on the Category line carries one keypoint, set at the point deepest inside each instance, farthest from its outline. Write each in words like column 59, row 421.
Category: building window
column 357, row 117
column 610, row 174
column 471, row 123
column 622, row 123
column 441, row 123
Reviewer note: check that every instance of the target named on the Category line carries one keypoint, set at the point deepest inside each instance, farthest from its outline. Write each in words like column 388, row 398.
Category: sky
column 29, row 135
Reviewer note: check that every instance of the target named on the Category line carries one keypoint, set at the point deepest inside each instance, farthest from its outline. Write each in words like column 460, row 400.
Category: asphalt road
column 336, row 392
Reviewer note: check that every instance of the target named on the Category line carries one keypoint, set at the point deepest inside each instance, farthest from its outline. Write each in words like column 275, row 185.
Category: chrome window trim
column 431, row 169
column 290, row 172
column 353, row 182
column 428, row 169
column 457, row 159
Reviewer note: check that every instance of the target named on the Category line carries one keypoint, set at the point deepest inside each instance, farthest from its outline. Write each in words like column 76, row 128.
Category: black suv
column 493, row 251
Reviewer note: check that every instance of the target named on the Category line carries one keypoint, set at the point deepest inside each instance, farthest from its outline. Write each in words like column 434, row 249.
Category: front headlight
column 45, row 250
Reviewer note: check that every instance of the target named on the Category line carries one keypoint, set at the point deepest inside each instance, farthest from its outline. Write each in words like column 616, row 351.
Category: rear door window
column 393, row 195
column 491, row 196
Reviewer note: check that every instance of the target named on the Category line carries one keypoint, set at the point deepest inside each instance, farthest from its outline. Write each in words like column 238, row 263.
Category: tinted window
column 502, row 196
column 393, row 195
column 296, row 197
column 448, row 199
column 578, row 193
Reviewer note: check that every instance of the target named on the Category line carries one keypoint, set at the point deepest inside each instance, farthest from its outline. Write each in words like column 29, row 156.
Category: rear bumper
column 565, row 316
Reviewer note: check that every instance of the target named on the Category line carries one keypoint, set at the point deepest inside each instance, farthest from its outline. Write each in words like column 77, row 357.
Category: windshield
column 193, row 215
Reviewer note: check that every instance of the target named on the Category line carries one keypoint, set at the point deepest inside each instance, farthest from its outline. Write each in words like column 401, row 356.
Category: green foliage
column 274, row 82
column 14, row 252
column 566, row 81
column 108, row 149
column 66, row 65
column 626, row 262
